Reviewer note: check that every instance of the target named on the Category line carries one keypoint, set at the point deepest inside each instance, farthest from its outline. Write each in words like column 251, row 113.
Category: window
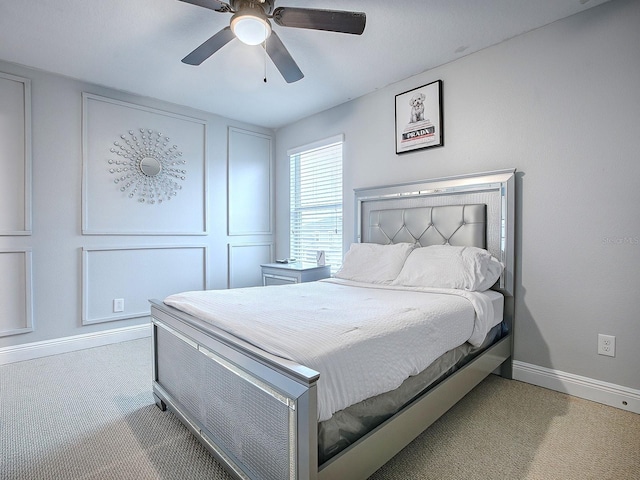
column 316, row 201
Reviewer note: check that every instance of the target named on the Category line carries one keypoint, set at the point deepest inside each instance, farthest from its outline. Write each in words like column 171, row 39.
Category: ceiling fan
column 250, row 24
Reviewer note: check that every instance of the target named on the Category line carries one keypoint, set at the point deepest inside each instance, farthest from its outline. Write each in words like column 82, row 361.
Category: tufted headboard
column 471, row 210
column 460, row 225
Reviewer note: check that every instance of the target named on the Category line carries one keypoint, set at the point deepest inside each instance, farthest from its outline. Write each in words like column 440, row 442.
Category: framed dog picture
column 419, row 118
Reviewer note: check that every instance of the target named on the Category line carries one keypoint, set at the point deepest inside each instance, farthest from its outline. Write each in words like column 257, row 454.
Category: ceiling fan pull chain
column 264, row 45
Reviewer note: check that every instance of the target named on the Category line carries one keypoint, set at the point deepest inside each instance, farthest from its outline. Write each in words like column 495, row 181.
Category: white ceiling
column 136, row 46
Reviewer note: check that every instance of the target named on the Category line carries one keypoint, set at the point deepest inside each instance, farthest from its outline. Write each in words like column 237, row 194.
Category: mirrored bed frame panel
column 194, row 362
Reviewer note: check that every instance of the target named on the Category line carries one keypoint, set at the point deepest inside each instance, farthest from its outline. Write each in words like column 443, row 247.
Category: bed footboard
column 255, row 413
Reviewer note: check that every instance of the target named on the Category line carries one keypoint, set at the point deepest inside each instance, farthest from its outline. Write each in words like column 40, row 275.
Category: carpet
column 90, row 414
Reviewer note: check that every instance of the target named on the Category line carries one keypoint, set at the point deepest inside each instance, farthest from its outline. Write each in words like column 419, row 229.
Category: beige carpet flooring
column 90, row 415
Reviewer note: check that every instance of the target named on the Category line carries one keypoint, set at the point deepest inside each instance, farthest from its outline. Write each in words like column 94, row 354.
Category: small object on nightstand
column 320, row 258
column 286, row 260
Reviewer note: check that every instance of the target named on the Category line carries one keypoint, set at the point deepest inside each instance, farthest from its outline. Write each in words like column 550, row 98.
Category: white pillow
column 374, row 263
column 445, row 266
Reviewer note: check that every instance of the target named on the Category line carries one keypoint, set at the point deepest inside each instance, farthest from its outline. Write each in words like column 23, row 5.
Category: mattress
column 348, row 425
column 383, row 334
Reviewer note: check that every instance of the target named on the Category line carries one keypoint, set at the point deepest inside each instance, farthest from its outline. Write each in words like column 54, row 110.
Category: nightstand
column 298, row 272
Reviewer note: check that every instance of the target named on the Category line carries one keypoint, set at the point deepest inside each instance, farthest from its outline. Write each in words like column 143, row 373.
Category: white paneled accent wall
column 72, row 240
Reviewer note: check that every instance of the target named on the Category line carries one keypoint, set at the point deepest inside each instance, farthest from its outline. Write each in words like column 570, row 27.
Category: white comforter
column 363, row 339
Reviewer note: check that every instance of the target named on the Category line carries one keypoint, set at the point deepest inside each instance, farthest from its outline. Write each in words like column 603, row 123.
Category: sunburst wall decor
column 148, row 167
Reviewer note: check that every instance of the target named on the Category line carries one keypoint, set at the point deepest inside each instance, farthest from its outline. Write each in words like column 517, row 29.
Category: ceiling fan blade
column 210, row 4
column 209, row 47
column 282, row 59
column 329, row 20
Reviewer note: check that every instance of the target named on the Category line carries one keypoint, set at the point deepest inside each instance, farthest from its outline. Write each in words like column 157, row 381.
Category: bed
column 258, row 402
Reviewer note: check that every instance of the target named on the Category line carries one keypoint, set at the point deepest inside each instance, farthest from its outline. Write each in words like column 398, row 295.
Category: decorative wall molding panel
column 118, row 282
column 244, row 263
column 249, row 183
column 15, row 155
column 144, row 170
column 16, row 292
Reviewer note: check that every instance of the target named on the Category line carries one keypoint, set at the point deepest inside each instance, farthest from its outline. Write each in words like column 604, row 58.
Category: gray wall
column 136, row 263
column 562, row 105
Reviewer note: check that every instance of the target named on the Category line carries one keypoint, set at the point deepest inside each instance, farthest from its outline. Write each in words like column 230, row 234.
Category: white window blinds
column 316, row 202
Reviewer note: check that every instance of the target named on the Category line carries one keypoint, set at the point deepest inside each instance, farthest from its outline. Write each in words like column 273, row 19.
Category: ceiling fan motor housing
column 260, row 6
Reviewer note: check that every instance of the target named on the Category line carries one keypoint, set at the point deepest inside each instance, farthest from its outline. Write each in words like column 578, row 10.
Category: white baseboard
column 29, row 351
column 602, row 392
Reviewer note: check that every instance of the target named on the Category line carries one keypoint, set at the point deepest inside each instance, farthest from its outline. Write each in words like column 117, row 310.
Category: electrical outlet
column 606, row 345
column 118, row 305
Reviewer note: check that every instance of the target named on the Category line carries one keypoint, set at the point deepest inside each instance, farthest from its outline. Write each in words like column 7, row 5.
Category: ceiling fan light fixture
column 250, row 28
